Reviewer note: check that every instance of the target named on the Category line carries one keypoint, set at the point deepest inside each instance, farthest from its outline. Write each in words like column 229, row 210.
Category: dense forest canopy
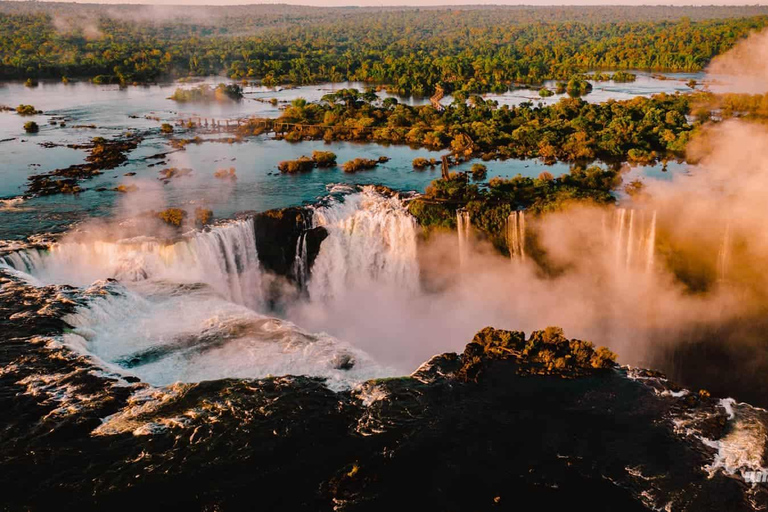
column 410, row 49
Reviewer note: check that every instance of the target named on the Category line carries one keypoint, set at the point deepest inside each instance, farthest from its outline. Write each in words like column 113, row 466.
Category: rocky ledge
column 513, row 420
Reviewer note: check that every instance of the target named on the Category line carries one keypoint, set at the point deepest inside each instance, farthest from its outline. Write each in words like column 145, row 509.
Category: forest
column 410, row 51
column 641, row 130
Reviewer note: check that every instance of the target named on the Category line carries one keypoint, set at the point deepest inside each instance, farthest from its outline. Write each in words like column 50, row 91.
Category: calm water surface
column 108, row 110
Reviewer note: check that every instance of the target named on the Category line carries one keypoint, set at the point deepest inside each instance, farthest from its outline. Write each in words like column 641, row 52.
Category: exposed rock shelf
column 500, row 423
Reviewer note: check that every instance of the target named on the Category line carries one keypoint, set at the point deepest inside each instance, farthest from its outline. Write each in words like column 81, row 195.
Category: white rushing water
column 188, row 310
column 371, row 243
column 171, row 334
column 463, row 225
column 223, row 258
column 633, row 236
column 516, row 235
column 724, row 254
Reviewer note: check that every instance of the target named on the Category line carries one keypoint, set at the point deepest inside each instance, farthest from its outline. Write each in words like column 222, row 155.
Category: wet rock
column 604, row 438
column 343, row 362
column 103, row 155
column 277, row 233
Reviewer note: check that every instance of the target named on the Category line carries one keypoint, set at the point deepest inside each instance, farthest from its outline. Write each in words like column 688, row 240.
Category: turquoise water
column 114, row 111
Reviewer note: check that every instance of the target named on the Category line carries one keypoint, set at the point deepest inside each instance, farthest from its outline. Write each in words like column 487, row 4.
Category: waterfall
column 371, row 243
column 223, row 257
column 300, row 266
column 516, row 235
column 650, row 248
column 633, row 238
column 463, row 224
column 630, row 237
column 24, row 260
column 621, row 213
column 724, row 254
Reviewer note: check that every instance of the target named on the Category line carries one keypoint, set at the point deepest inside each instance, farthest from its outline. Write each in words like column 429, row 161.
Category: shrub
column 359, row 164
column 203, row 216
column 173, row 216
column 623, row 76
column 166, row 128
column 545, row 93
column 324, row 158
column 31, row 127
column 26, row 110
column 479, row 171
column 206, row 93
column 420, row 163
column 302, row 164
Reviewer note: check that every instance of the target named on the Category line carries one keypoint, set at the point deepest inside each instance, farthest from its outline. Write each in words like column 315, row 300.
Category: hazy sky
column 373, row 3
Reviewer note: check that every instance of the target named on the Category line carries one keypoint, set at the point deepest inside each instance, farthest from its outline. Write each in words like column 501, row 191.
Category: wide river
column 107, row 110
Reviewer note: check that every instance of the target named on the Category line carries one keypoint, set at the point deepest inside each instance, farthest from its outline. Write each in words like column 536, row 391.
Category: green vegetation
column 173, row 216
column 422, row 163
column 545, row 93
column 324, row 158
column 571, row 130
column 546, row 352
column 489, row 205
column 359, row 164
column 577, row 87
column 166, row 128
column 301, row 164
column 206, row 93
column 744, row 106
column 26, row 110
column 203, row 216
column 411, row 50
column 31, row 127
column 479, row 172
column 619, row 76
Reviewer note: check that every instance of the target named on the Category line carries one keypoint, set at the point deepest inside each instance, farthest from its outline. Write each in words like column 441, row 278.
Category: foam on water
column 170, row 334
column 742, row 449
column 185, row 311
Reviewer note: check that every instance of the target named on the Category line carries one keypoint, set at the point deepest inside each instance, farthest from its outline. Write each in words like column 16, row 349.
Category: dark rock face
column 277, row 237
column 493, row 428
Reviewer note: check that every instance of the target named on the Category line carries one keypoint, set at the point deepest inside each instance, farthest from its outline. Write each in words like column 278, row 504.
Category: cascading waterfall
column 634, row 238
column 463, row 224
column 371, row 242
column 223, row 257
column 300, row 262
column 650, row 248
column 516, row 235
column 724, row 254
column 24, row 261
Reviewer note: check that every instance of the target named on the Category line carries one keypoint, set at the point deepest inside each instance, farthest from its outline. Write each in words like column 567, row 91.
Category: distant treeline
column 410, row 50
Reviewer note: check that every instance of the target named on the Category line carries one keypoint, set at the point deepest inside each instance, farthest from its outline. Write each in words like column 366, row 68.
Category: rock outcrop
column 277, row 237
column 512, row 421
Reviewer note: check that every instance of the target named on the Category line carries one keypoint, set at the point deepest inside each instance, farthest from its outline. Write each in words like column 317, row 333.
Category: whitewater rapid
column 192, row 309
column 372, row 243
